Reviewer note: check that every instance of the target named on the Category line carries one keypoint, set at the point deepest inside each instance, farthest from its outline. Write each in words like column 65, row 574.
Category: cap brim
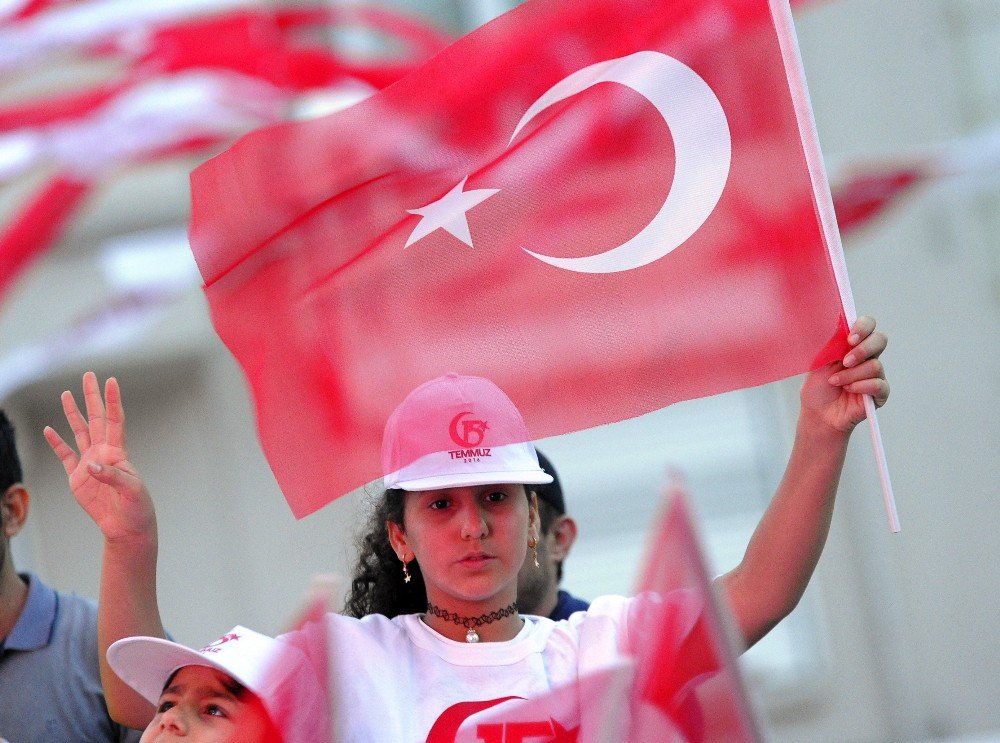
column 470, row 479
column 145, row 663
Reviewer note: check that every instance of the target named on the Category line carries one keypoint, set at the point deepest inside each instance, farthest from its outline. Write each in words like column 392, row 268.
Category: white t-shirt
column 399, row 680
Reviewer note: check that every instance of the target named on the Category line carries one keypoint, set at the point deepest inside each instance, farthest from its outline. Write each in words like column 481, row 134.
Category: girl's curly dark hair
column 377, row 586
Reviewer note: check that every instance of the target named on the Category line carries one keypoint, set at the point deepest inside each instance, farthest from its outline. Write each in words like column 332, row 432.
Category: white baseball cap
column 457, row 431
column 258, row 662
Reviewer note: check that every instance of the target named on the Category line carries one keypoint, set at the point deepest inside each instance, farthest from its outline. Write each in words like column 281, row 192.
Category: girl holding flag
column 435, row 635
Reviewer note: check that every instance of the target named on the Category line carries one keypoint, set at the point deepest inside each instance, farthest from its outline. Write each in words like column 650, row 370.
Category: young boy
column 244, row 687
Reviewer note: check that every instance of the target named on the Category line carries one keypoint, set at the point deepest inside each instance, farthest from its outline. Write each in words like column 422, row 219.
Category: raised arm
column 108, row 487
column 786, row 545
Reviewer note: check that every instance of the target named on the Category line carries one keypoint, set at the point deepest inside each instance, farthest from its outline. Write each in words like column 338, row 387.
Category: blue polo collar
column 34, row 627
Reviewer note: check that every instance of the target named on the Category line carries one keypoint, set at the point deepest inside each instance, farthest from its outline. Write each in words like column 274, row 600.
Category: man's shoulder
column 74, row 603
column 75, row 615
column 567, row 604
column 64, row 676
column 73, row 631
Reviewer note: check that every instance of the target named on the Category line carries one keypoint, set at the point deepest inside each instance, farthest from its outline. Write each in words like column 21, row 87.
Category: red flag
column 300, row 706
column 687, row 676
column 256, row 42
column 39, row 224
column 260, row 42
column 867, row 195
column 41, row 111
column 20, row 9
column 594, row 204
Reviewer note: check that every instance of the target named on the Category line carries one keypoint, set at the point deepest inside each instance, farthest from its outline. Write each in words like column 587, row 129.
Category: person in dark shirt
column 538, row 589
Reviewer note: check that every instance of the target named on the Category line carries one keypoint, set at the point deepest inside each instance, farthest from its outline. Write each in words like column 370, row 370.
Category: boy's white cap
column 258, row 662
column 457, row 431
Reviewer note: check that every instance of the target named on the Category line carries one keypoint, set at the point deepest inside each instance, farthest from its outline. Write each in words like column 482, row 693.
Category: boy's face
column 204, row 705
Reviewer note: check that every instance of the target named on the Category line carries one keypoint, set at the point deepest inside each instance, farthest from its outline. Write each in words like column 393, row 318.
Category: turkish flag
column 596, row 204
column 300, row 706
column 687, row 678
column 38, row 224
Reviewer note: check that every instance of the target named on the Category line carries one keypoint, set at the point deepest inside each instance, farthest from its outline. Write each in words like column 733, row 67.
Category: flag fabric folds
column 603, row 206
column 301, row 706
column 204, row 74
column 687, row 678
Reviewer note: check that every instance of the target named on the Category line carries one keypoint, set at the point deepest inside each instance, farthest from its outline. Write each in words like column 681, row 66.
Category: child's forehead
column 202, row 679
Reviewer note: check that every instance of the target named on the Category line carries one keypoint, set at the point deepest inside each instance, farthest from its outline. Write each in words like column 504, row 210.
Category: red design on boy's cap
column 213, row 647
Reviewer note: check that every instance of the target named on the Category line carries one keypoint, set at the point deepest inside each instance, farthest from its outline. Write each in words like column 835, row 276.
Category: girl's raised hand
column 835, row 393
column 103, row 480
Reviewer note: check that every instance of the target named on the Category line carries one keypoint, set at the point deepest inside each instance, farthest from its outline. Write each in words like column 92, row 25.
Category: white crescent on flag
column 702, row 150
column 702, row 153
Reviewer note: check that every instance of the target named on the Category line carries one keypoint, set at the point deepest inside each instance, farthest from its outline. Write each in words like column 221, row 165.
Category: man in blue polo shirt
column 50, row 683
column 538, row 589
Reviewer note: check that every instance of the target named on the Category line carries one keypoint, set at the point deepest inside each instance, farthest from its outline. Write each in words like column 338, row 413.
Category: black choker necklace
column 470, row 623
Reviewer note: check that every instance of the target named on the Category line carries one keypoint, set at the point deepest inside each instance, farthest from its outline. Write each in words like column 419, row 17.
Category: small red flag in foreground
column 595, row 204
column 687, row 676
column 300, row 706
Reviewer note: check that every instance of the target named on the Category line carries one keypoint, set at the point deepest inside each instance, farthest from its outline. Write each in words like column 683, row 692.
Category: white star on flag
column 448, row 213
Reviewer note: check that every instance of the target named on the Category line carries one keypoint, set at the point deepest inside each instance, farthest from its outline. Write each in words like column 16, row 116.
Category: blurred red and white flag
column 17, row 10
column 161, row 115
column 865, row 190
column 38, row 224
column 595, row 204
column 687, row 678
column 38, row 30
column 301, row 705
column 866, row 194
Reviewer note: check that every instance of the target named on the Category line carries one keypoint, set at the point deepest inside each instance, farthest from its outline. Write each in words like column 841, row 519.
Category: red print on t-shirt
column 445, row 729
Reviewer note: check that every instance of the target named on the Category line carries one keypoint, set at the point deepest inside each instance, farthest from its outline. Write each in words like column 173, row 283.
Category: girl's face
column 470, row 543
column 204, row 705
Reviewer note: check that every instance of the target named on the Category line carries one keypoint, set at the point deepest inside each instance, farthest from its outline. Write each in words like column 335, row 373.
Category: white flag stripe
column 155, row 115
column 86, row 23
column 139, row 302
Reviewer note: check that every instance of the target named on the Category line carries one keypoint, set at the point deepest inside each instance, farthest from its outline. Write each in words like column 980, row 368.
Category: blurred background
column 105, row 107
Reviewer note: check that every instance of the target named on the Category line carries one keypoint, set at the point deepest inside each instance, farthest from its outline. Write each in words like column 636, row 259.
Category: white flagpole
column 781, row 13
